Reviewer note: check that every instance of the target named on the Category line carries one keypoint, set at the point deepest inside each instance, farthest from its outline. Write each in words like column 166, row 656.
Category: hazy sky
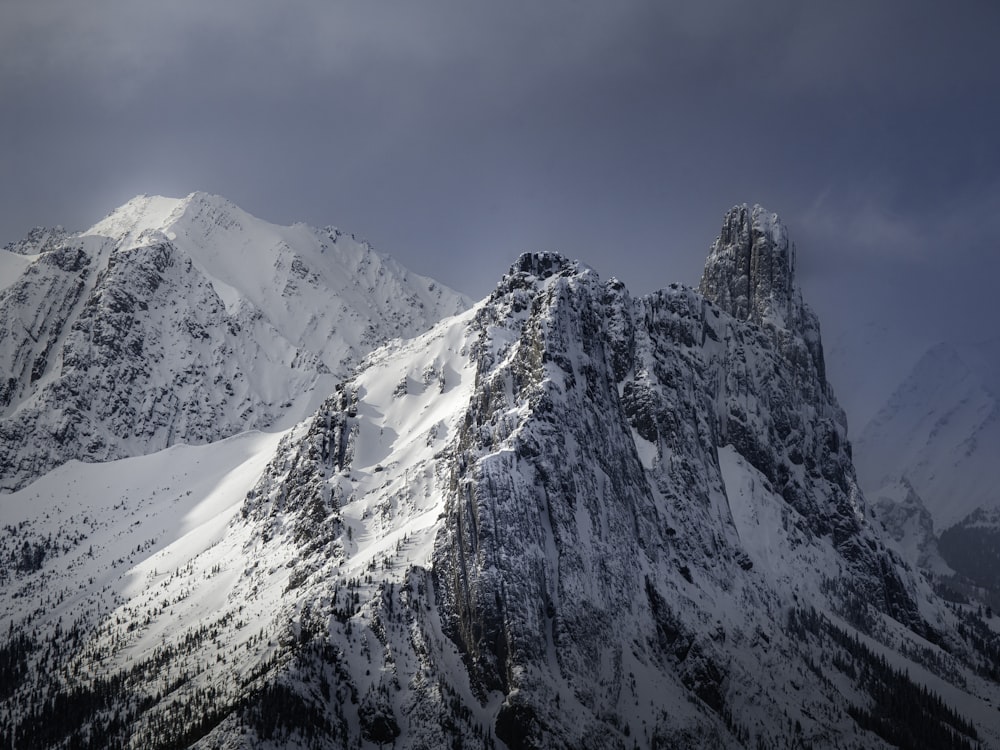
column 454, row 135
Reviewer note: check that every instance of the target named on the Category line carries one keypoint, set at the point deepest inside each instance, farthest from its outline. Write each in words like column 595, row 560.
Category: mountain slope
column 185, row 321
column 566, row 518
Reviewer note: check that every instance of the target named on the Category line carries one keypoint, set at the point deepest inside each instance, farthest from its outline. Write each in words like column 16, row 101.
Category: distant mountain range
column 939, row 435
column 266, row 488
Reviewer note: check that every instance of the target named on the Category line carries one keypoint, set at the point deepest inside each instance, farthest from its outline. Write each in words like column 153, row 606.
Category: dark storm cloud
column 456, row 134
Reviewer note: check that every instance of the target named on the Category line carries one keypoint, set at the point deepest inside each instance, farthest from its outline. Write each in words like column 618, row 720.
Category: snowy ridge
column 565, row 518
column 187, row 320
column 286, row 271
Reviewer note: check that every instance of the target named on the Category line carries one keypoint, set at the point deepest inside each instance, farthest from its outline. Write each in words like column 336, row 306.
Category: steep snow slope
column 565, row 518
column 186, row 320
column 99, row 520
column 198, row 562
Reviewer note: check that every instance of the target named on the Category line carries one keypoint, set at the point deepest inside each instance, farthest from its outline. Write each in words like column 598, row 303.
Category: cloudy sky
column 454, row 135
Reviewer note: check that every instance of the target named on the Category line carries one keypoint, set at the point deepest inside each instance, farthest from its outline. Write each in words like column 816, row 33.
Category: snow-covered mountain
column 939, row 436
column 567, row 517
column 185, row 320
column 940, row 430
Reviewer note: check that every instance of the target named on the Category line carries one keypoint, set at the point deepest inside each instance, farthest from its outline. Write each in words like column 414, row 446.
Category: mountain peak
column 200, row 196
column 186, row 320
column 750, row 270
column 141, row 213
column 541, row 264
column 750, row 274
column 160, row 213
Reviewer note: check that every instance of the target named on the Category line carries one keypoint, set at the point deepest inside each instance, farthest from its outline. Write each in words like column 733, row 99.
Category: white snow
column 394, row 481
column 181, row 497
column 320, row 289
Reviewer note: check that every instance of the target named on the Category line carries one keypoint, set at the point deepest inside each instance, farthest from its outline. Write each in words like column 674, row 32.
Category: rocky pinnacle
column 750, row 274
column 750, row 270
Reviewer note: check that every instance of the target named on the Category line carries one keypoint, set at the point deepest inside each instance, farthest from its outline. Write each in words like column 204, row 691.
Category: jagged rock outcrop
column 751, row 268
column 907, row 522
column 590, row 457
column 38, row 240
column 750, row 274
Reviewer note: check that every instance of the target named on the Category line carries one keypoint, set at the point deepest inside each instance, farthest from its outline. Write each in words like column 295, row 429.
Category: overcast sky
column 454, row 135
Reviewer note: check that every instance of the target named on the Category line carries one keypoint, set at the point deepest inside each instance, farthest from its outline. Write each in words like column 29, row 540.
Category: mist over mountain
column 320, row 501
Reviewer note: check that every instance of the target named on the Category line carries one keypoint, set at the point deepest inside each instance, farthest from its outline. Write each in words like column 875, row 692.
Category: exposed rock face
column 750, row 274
column 38, row 240
column 750, row 269
column 33, row 315
column 594, row 436
column 901, row 510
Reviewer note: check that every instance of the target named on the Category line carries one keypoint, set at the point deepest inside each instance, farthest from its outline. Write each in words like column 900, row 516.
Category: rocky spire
column 750, row 274
column 750, row 271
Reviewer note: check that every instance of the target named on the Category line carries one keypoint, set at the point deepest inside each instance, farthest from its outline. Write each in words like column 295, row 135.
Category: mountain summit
column 750, row 270
column 565, row 518
column 186, row 320
column 750, row 273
